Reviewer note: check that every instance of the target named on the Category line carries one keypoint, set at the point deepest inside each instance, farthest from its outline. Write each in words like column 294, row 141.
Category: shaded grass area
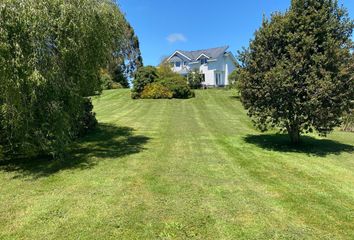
column 182, row 169
column 107, row 141
column 308, row 145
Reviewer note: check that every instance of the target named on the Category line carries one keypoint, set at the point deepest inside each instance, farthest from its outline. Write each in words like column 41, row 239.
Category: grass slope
column 182, row 169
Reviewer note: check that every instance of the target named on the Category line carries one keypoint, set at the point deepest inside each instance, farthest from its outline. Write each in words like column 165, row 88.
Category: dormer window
column 204, row 61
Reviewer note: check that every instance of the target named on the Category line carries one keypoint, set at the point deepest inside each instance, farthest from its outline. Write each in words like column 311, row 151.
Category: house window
column 178, row 64
column 203, row 61
column 185, row 63
column 218, row 79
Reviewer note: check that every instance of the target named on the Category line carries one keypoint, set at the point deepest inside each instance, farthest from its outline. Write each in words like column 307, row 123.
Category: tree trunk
column 294, row 134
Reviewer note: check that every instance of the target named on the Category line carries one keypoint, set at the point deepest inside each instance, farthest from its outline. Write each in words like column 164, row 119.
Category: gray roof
column 211, row 52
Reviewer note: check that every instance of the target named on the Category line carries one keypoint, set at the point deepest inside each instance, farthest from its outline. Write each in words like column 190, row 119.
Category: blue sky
column 166, row 25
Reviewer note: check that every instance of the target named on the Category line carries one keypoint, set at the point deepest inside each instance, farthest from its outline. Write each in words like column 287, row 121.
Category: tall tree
column 51, row 53
column 125, row 63
column 295, row 74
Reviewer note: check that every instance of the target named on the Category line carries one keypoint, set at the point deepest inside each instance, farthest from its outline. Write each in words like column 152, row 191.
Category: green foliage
column 178, row 86
column 294, row 75
column 124, row 63
column 163, row 75
column 130, row 50
column 156, row 91
column 348, row 121
column 120, row 78
column 117, row 85
column 51, row 53
column 234, row 78
column 164, row 71
column 87, row 121
column 106, row 80
column 195, row 79
column 143, row 77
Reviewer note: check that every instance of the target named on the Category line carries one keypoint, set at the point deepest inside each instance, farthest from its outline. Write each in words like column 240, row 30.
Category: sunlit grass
column 182, row 169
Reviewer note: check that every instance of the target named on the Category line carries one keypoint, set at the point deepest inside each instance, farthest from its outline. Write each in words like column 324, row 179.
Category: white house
column 216, row 64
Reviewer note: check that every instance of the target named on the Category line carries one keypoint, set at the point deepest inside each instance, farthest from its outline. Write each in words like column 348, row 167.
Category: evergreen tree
column 295, row 74
column 128, row 60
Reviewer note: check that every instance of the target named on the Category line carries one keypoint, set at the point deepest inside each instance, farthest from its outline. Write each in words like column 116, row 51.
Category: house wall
column 229, row 68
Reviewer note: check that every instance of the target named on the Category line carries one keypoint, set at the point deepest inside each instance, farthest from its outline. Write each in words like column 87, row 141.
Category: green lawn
column 182, row 169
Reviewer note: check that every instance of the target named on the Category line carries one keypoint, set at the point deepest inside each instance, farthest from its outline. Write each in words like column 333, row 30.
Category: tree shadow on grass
column 235, row 97
column 105, row 142
column 309, row 145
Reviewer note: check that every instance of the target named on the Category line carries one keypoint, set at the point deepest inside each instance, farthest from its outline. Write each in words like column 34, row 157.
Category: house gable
column 178, row 54
column 202, row 55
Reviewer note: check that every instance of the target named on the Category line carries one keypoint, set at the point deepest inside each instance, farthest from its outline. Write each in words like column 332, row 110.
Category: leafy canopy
column 163, row 75
column 295, row 74
column 51, row 53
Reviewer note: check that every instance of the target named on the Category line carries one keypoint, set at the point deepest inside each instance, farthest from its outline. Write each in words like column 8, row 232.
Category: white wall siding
column 229, row 68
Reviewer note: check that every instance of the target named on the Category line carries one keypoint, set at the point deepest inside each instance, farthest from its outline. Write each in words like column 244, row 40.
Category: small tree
column 119, row 76
column 195, row 79
column 143, row 77
column 295, row 73
column 164, row 70
column 234, row 77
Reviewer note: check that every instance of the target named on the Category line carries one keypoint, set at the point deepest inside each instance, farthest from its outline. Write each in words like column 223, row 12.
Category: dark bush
column 118, row 77
column 106, row 80
column 178, row 86
column 135, row 95
column 348, row 121
column 143, row 77
column 156, row 91
column 116, row 85
column 87, row 120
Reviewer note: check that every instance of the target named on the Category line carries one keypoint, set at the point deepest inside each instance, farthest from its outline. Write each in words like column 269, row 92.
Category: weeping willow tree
column 51, row 53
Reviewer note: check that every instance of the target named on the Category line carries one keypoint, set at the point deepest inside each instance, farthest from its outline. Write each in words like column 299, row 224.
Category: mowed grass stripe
column 182, row 169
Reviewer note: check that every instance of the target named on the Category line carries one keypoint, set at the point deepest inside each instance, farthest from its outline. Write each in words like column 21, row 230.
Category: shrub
column 106, row 80
column 119, row 77
column 164, row 70
column 234, row 78
column 348, row 121
column 143, row 77
column 156, row 91
column 135, row 95
column 116, row 85
column 87, row 121
column 2, row 155
column 195, row 79
column 178, row 86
